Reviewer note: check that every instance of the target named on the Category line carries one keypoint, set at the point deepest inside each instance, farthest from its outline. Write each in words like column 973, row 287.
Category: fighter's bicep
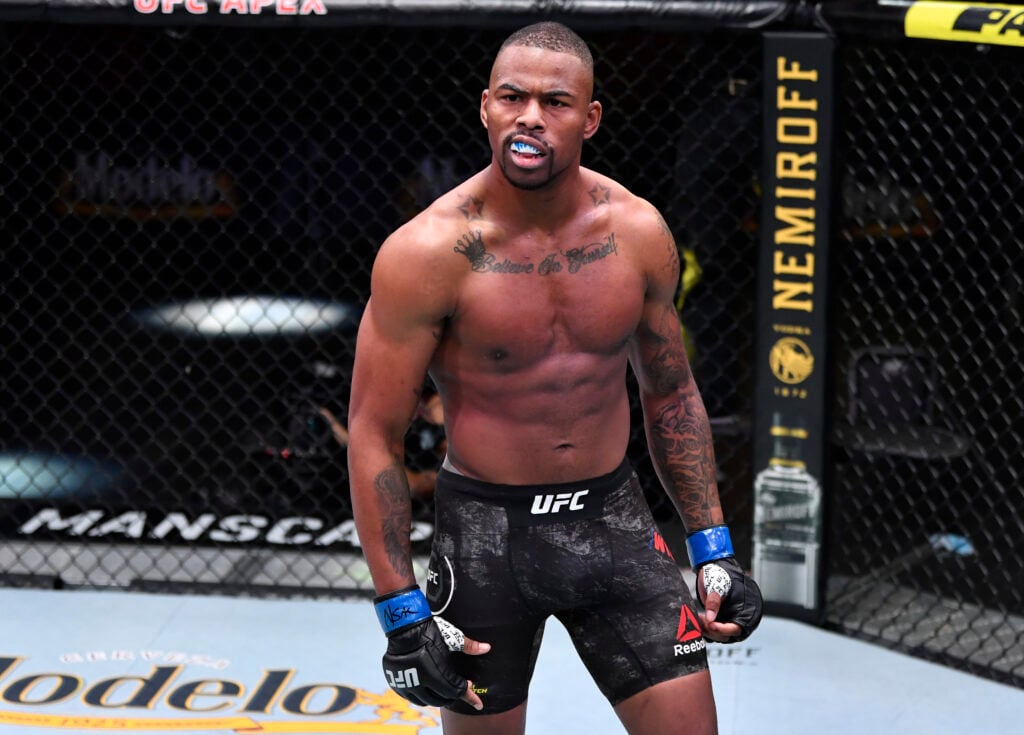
column 659, row 355
column 392, row 355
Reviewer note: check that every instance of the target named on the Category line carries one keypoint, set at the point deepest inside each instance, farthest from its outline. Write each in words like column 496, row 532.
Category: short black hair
column 553, row 37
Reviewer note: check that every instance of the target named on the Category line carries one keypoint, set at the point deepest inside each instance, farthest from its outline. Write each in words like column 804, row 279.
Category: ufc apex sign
column 234, row 7
column 556, row 502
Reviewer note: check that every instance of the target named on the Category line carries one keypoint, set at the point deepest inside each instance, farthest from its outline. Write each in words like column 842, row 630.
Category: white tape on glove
column 454, row 638
column 716, row 579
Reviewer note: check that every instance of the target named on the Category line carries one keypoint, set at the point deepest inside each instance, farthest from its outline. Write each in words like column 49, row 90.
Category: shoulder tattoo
column 472, row 208
column 673, row 251
column 600, row 195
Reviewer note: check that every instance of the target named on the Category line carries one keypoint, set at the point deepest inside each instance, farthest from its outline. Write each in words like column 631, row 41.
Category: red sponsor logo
column 689, row 628
column 658, row 543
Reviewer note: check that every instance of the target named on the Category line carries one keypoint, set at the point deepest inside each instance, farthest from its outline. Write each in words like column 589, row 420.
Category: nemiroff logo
column 277, row 700
column 153, row 190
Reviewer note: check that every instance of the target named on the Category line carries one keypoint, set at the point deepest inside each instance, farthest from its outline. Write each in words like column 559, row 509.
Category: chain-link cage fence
column 192, row 212
column 193, row 217
column 929, row 419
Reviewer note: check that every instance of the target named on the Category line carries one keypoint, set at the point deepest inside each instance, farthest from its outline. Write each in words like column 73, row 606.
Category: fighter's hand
column 732, row 601
column 419, row 663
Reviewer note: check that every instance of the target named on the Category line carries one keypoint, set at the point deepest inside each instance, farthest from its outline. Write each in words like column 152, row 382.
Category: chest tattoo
column 471, row 245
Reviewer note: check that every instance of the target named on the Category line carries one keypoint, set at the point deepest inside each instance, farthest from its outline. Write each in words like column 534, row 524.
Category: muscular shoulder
column 629, row 210
column 418, row 264
column 641, row 222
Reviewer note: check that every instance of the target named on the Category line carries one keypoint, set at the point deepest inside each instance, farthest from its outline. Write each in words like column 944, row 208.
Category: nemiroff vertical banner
column 789, row 425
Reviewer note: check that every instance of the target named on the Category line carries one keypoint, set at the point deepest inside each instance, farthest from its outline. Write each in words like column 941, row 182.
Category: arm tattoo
column 673, row 250
column 667, row 367
column 396, row 517
column 664, row 225
column 681, row 442
column 680, row 435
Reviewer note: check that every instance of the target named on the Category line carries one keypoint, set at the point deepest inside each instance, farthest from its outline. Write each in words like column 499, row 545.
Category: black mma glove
column 711, row 556
column 741, row 602
column 418, row 662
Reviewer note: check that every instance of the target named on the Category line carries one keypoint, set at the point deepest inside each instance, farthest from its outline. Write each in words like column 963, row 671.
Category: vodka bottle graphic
column 787, row 520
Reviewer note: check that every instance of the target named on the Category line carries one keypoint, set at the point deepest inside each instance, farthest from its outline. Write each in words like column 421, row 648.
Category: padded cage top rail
column 987, row 24
column 654, row 14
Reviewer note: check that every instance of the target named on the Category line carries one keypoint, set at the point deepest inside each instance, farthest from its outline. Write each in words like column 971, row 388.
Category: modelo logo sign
column 276, row 700
column 155, row 189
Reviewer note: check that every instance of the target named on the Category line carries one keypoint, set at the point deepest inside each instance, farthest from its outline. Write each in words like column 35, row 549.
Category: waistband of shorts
column 600, row 486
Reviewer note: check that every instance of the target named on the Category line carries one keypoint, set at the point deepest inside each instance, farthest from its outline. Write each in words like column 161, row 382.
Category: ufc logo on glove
column 403, row 679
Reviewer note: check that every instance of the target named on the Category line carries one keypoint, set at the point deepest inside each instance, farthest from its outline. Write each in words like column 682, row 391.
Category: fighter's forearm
column 683, row 453
column 383, row 515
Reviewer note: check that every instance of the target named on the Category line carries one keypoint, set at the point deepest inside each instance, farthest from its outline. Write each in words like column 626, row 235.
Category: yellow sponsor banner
column 988, row 23
column 171, row 724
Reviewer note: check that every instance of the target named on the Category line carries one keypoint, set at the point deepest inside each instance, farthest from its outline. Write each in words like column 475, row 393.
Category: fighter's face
column 537, row 111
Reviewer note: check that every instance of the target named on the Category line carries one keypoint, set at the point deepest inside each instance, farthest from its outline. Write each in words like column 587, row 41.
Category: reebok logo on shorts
column 689, row 628
column 690, row 639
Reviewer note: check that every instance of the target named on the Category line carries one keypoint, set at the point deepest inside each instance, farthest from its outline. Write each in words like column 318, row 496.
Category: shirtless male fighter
column 524, row 293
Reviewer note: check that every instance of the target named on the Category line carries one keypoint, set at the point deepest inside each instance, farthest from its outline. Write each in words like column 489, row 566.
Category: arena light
column 241, row 316
column 32, row 475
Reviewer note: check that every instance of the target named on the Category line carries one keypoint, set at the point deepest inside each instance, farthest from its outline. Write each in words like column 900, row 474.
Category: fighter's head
column 553, row 37
column 538, row 107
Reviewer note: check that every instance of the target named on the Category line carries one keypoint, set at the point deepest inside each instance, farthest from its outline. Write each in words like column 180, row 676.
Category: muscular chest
column 521, row 305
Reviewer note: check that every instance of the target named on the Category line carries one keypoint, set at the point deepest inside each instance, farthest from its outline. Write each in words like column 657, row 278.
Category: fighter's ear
column 483, row 107
column 593, row 119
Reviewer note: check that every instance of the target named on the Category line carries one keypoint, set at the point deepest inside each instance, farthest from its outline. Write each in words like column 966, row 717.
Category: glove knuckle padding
column 743, row 604
column 418, row 666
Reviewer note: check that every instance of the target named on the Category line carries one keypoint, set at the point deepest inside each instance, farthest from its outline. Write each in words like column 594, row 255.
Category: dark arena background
column 193, row 197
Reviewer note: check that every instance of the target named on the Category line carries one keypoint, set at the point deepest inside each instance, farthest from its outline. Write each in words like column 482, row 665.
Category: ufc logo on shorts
column 543, row 504
column 403, row 679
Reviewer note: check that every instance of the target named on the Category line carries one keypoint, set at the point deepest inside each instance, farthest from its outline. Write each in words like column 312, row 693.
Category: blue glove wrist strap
column 709, row 544
column 401, row 608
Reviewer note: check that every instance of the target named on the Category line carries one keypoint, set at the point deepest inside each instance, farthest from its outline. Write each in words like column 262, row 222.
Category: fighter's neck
column 548, row 207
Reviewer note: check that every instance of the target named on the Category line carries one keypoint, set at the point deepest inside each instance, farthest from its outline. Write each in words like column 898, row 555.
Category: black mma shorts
column 506, row 557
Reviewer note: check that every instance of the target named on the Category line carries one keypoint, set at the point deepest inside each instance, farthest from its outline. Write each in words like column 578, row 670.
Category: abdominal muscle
column 559, row 421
